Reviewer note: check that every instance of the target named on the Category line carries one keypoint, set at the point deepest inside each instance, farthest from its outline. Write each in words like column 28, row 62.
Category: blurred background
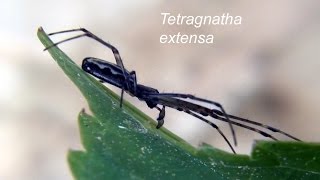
column 266, row 70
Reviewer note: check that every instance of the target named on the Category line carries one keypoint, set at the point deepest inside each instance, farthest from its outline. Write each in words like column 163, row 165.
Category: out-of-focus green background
column 266, row 69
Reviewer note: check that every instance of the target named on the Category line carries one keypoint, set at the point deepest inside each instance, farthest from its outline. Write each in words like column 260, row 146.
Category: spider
column 117, row 75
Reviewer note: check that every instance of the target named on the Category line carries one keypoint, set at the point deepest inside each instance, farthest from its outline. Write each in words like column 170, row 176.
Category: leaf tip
column 40, row 30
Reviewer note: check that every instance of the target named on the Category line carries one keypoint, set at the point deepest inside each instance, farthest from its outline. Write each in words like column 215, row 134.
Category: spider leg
column 213, row 125
column 192, row 97
column 217, row 112
column 121, row 97
column 92, row 36
column 247, row 127
column 186, row 106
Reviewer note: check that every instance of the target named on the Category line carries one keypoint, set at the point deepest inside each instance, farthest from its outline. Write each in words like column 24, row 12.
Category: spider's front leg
column 87, row 33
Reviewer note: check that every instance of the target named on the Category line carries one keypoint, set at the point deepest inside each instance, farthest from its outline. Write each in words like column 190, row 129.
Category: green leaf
column 124, row 144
